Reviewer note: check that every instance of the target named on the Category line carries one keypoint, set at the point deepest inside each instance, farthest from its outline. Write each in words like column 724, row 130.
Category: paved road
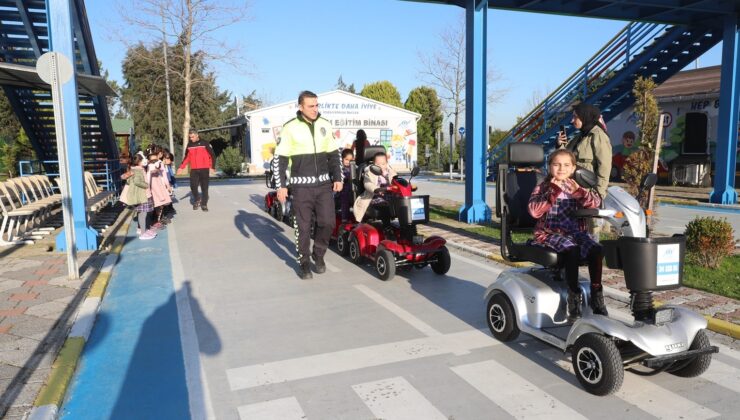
column 671, row 218
column 258, row 343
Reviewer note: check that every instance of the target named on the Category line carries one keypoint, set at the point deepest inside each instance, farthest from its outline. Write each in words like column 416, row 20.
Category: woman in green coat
column 592, row 146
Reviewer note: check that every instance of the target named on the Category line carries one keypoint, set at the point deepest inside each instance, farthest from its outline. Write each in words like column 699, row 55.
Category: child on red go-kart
column 374, row 188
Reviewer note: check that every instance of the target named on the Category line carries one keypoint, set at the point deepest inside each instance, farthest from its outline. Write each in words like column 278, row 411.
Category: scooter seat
column 534, row 253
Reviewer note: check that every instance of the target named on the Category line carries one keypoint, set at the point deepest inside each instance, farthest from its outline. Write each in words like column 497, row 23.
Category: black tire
column 343, row 244
column 698, row 364
column 597, row 364
column 385, row 264
column 442, row 265
column 277, row 211
column 355, row 254
column 501, row 318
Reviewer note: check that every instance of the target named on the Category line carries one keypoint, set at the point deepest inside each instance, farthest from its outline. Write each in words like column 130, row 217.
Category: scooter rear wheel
column 501, row 319
column 343, row 244
column 698, row 364
column 597, row 364
column 355, row 253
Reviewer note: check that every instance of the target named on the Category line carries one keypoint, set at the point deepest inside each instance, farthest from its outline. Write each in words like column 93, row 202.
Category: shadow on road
column 270, row 232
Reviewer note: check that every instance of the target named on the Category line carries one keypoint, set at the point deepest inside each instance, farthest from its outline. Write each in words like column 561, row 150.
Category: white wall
column 347, row 114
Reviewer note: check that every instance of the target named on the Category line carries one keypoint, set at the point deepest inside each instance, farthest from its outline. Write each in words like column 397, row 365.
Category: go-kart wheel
column 697, row 365
column 343, row 244
column 501, row 320
column 442, row 264
column 597, row 364
column 277, row 211
column 385, row 264
column 355, row 254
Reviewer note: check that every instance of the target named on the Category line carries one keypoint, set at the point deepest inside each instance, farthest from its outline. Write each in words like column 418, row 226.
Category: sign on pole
column 461, row 130
column 56, row 70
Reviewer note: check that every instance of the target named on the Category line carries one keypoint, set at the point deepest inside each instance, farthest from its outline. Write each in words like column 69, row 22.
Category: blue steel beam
column 28, row 24
column 475, row 208
column 61, row 40
column 729, row 100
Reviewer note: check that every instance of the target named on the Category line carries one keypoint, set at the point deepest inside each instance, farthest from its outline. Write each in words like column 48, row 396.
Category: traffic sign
column 461, row 130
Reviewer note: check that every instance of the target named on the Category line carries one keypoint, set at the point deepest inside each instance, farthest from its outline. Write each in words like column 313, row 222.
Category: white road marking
column 410, row 319
column 197, row 384
column 511, row 392
column 331, row 267
column 359, row 358
column 723, row 375
column 487, row 267
column 283, row 409
column 396, row 399
column 644, row 394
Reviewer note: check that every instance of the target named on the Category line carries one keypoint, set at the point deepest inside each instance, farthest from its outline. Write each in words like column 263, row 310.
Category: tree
column 640, row 163
column 143, row 95
column 444, row 69
column 113, row 102
column 383, row 91
column 14, row 144
column 424, row 100
column 495, row 137
column 343, row 86
column 192, row 23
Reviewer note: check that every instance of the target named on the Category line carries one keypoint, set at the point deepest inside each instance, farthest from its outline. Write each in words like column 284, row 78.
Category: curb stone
column 50, row 398
column 713, row 324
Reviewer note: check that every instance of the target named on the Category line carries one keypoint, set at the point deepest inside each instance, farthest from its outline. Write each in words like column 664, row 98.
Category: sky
column 291, row 45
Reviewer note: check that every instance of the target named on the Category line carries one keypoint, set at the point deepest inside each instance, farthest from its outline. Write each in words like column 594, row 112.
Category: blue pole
column 475, row 209
column 725, row 155
column 62, row 42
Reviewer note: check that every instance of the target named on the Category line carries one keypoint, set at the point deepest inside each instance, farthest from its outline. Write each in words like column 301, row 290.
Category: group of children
column 150, row 184
column 372, row 183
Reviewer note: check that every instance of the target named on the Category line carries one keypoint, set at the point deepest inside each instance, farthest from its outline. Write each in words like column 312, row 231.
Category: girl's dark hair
column 361, row 135
column 589, row 116
column 153, row 150
column 136, row 159
column 168, row 155
column 346, row 152
column 375, row 156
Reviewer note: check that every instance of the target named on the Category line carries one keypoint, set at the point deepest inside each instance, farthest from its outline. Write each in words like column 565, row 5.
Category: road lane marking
column 643, row 394
column 511, row 392
column 410, row 319
column 723, row 375
column 197, row 384
column 283, row 409
column 396, row 399
column 353, row 359
column 478, row 264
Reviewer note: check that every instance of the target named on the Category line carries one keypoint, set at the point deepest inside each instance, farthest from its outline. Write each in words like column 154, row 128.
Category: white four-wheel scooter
column 533, row 300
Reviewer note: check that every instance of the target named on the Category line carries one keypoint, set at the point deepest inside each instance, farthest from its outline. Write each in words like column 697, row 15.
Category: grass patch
column 441, row 212
column 489, row 230
column 724, row 280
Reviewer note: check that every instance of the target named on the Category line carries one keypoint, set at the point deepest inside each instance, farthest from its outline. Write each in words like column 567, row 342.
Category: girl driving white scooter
column 553, row 203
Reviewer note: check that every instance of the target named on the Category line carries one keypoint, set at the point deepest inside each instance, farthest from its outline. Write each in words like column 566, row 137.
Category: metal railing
column 617, row 54
column 108, row 171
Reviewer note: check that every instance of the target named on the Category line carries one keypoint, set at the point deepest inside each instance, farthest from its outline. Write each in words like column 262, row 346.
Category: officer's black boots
column 320, row 264
column 305, row 271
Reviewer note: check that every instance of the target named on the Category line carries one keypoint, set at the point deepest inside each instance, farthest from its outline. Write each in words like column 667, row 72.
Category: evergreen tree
column 383, row 91
column 424, row 100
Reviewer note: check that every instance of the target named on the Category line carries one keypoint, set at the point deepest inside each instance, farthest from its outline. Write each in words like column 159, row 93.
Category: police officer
column 307, row 150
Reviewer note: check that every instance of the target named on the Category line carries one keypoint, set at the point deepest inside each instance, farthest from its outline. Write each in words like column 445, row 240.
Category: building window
column 385, row 138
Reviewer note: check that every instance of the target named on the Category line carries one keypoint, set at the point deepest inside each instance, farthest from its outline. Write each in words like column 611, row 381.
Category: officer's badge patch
column 323, row 131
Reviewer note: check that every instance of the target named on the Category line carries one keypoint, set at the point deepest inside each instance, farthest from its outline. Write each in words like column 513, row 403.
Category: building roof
column 690, row 83
column 257, row 111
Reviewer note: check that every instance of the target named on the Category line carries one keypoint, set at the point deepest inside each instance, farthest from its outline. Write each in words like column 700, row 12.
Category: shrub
column 708, row 241
column 230, row 161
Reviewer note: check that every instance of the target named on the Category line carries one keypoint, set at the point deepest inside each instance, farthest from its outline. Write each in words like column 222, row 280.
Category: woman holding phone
column 591, row 145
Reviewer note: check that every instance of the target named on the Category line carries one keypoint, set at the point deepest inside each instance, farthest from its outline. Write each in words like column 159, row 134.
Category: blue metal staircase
column 24, row 38
column 606, row 80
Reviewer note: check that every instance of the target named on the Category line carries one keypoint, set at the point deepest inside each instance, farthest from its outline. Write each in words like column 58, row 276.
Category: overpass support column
column 726, row 152
column 476, row 142
column 62, row 42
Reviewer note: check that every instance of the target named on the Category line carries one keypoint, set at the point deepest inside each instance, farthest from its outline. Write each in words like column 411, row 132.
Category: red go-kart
column 397, row 244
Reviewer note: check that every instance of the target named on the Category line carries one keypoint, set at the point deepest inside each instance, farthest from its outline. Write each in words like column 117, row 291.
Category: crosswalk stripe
column 723, row 375
column 644, row 394
column 495, row 269
column 728, row 351
column 511, row 392
column 405, row 315
column 283, row 409
column 396, row 399
column 359, row 358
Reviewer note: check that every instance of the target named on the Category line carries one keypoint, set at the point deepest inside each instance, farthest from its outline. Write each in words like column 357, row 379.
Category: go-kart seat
column 371, row 213
column 518, row 177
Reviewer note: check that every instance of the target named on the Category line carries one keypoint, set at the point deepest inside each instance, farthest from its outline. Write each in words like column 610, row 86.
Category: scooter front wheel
column 385, row 264
column 355, row 254
column 597, row 364
column 501, row 319
column 443, row 261
column 342, row 244
column 699, row 364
